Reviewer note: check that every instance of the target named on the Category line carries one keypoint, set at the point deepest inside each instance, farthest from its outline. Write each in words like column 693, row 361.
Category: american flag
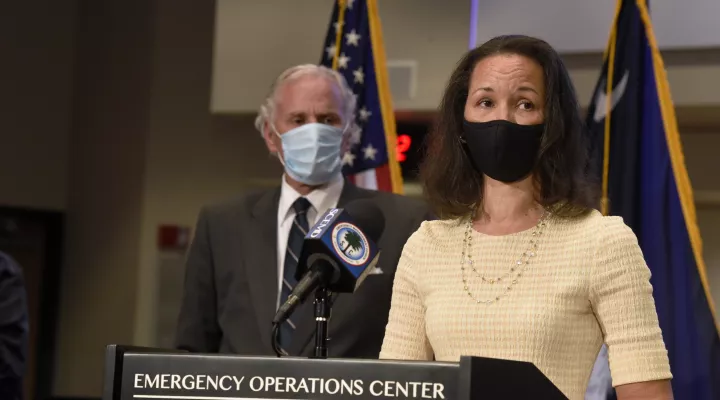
column 354, row 47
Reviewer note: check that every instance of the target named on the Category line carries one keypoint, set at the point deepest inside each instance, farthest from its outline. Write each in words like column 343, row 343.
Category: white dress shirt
column 600, row 384
column 321, row 199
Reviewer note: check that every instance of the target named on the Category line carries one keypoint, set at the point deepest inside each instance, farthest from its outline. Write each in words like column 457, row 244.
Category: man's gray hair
column 349, row 102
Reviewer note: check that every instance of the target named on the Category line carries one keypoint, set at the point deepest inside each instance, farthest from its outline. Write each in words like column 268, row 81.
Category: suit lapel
column 261, row 261
column 305, row 315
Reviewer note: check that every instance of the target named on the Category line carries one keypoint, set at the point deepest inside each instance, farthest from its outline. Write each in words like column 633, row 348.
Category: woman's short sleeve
column 621, row 296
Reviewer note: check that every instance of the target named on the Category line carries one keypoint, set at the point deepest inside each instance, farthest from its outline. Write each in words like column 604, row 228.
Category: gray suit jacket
column 231, row 281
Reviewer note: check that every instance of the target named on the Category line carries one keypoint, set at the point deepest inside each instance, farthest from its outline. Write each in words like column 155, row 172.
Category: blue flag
column 354, row 47
column 638, row 156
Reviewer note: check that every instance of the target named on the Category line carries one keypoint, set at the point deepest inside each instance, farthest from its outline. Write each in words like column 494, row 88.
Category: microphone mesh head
column 368, row 217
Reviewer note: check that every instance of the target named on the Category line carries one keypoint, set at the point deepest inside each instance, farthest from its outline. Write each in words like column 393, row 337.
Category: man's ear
column 269, row 136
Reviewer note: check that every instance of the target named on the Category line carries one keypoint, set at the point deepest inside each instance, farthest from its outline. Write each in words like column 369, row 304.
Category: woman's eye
column 485, row 103
column 526, row 105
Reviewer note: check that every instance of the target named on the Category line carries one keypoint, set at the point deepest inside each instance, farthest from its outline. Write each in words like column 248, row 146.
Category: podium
column 135, row 373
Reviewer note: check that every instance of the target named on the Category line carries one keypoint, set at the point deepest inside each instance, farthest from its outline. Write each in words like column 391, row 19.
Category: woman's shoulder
column 601, row 227
column 435, row 232
column 440, row 228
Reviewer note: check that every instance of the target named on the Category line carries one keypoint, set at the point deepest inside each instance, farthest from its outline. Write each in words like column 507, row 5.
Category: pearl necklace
column 509, row 278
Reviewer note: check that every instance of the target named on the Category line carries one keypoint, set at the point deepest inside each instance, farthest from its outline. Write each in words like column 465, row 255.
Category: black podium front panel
column 204, row 377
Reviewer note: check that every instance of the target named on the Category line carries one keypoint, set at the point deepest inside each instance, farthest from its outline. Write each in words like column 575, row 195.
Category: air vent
column 402, row 75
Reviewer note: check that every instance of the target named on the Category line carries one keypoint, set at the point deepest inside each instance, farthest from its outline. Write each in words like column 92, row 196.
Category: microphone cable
column 279, row 351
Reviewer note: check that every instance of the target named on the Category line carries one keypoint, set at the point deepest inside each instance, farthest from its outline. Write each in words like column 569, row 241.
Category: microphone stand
column 322, row 317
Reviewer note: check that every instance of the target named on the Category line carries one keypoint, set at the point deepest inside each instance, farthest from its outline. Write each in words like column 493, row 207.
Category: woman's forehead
column 504, row 69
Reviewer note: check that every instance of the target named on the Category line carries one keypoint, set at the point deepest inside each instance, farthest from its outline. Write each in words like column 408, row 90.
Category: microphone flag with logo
column 338, row 253
column 637, row 153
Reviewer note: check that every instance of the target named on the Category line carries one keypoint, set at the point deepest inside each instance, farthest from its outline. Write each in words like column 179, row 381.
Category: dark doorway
column 35, row 240
column 412, row 130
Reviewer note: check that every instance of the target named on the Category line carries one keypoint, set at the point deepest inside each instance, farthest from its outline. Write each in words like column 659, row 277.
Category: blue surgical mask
column 311, row 153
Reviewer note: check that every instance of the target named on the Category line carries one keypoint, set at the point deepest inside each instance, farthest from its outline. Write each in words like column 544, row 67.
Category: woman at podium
column 520, row 265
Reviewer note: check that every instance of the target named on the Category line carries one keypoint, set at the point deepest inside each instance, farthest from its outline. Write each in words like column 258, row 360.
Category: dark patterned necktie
column 298, row 230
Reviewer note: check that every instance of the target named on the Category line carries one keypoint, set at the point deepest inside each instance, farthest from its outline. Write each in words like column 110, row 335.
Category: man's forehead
column 308, row 89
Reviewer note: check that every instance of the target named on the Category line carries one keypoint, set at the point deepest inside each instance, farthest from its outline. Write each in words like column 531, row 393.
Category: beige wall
column 129, row 143
column 709, row 221
column 702, row 163
column 692, row 76
column 294, row 32
column 433, row 35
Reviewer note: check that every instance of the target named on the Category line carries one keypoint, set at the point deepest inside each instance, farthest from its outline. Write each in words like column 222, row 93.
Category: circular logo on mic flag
column 350, row 244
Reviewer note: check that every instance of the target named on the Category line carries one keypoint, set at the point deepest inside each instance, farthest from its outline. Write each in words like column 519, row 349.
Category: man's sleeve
column 198, row 330
column 13, row 329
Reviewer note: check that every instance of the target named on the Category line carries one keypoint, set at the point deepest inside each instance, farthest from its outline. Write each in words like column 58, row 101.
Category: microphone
column 337, row 253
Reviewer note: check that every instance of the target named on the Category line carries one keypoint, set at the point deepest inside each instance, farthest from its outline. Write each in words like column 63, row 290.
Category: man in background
column 242, row 262
column 13, row 329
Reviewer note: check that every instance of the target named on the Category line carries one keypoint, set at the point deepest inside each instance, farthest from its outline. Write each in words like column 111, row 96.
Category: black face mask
column 502, row 150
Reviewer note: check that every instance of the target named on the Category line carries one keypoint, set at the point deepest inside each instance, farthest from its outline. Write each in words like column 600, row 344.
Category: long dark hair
column 453, row 187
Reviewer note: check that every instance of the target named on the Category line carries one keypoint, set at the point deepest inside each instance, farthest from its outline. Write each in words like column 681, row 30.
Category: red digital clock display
column 404, row 142
column 409, row 148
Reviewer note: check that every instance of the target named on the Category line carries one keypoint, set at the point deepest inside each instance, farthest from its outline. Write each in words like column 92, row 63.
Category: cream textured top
column 587, row 282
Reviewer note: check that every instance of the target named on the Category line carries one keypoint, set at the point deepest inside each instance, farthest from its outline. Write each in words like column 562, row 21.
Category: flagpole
column 383, row 86
column 473, row 23
column 610, row 54
column 338, row 33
